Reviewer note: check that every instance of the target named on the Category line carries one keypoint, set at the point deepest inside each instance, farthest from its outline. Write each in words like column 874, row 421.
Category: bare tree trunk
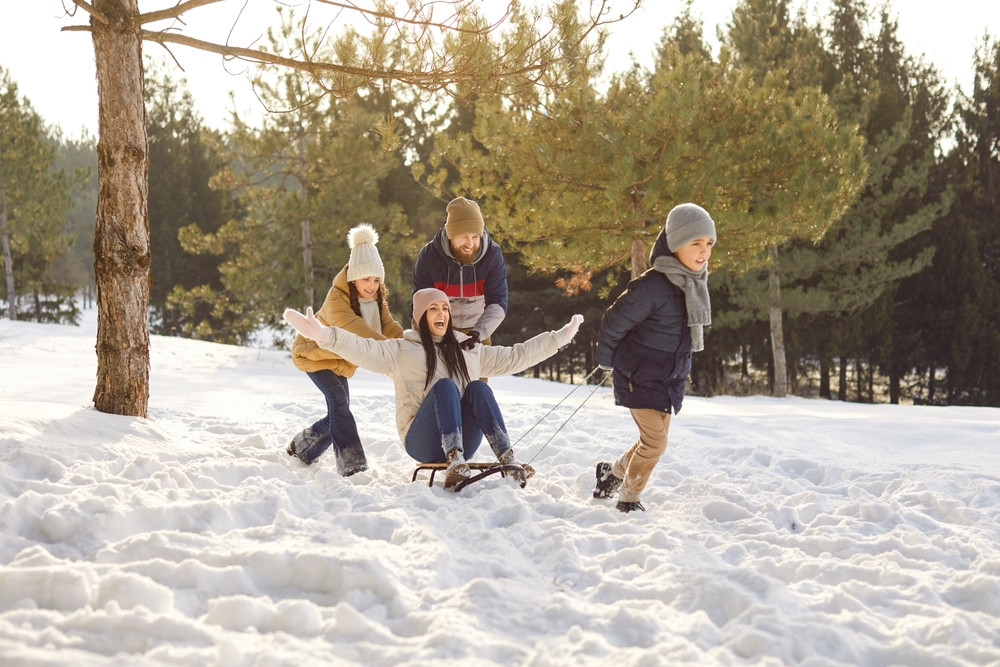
column 121, row 229
column 307, row 255
column 895, row 387
column 7, row 260
column 638, row 257
column 777, row 329
column 842, row 389
column 307, row 261
column 871, row 381
column 824, row 376
column 859, row 380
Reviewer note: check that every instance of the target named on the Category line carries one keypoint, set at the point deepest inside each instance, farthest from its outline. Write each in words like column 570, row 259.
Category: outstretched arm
column 565, row 335
column 310, row 327
column 378, row 356
column 502, row 360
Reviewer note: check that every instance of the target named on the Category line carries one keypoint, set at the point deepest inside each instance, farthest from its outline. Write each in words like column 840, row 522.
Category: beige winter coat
column 403, row 360
column 336, row 312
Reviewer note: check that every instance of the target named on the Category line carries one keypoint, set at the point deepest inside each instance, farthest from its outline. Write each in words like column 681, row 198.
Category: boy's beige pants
column 635, row 466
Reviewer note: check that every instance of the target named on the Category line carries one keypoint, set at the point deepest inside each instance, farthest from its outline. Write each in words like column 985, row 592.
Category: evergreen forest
column 856, row 195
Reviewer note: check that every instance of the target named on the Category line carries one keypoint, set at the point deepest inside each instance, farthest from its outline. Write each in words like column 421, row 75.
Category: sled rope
column 566, row 421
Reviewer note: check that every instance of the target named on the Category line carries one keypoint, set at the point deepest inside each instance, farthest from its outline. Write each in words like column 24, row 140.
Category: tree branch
column 395, row 19
column 436, row 71
column 87, row 7
column 172, row 13
column 312, row 67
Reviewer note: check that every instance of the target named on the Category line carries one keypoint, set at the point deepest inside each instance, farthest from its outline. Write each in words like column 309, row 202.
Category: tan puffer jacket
column 336, row 312
column 403, row 360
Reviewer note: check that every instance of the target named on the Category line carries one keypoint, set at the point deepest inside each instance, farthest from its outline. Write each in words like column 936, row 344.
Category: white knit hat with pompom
column 365, row 260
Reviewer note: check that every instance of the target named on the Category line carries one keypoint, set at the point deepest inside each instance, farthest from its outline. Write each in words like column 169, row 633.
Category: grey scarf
column 694, row 284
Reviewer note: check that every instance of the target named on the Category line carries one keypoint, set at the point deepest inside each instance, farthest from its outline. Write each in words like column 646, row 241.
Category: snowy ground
column 778, row 532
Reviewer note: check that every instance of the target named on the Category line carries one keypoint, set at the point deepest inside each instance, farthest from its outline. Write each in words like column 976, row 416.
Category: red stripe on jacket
column 464, row 290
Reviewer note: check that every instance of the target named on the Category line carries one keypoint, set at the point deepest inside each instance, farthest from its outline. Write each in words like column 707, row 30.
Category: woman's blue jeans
column 448, row 420
column 337, row 427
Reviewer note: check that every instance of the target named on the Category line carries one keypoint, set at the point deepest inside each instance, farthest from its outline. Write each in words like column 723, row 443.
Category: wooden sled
column 484, row 470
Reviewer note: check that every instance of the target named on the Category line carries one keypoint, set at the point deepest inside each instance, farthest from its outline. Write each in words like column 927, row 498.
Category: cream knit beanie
column 365, row 260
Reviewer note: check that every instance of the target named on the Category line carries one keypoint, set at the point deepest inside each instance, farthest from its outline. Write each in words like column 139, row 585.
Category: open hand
column 308, row 325
column 565, row 335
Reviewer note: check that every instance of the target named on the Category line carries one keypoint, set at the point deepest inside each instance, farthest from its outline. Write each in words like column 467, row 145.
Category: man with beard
column 465, row 264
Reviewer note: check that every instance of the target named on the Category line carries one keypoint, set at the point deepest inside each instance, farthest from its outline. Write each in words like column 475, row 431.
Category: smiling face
column 694, row 255
column 367, row 287
column 464, row 247
column 438, row 315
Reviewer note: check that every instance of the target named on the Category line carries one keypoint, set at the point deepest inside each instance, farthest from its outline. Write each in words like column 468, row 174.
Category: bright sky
column 55, row 70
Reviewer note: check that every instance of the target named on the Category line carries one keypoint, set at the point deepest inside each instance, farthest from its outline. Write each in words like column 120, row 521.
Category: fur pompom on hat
column 464, row 217
column 365, row 260
column 687, row 222
column 422, row 300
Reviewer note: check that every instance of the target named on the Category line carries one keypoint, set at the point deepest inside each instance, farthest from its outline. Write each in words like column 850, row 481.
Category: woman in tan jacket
column 441, row 413
column 357, row 303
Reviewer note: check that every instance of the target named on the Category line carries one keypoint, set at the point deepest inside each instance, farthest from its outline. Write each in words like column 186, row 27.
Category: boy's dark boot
column 607, row 483
column 629, row 507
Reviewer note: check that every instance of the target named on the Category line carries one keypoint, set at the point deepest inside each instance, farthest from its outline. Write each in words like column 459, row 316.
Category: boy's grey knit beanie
column 687, row 222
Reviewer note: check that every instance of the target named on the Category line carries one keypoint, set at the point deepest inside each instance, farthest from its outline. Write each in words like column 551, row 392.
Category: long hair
column 380, row 296
column 454, row 360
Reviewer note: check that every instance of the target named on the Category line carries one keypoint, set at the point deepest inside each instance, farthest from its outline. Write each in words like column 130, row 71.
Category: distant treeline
column 857, row 199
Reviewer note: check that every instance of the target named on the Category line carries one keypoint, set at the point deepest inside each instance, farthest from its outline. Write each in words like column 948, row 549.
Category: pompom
column 362, row 234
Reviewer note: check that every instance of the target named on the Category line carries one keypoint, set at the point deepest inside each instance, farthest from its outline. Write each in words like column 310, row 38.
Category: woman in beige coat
column 441, row 413
column 357, row 303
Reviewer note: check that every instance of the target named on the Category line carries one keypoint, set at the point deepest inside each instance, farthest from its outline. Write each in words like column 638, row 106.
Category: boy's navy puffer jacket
column 645, row 338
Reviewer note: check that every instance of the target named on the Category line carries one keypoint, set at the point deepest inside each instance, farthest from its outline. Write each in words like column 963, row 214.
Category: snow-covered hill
column 778, row 532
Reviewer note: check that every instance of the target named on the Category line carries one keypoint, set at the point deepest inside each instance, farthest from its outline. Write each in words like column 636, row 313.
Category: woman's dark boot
column 457, row 471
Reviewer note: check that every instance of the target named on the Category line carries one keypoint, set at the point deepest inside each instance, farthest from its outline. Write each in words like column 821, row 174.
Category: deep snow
column 778, row 531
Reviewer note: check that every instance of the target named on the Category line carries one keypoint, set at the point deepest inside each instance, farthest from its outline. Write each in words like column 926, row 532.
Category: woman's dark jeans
column 447, row 420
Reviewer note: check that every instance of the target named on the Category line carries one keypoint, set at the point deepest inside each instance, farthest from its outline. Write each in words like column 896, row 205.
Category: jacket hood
column 659, row 247
column 340, row 283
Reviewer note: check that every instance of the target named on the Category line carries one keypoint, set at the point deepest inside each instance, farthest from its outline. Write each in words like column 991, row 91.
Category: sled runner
column 481, row 470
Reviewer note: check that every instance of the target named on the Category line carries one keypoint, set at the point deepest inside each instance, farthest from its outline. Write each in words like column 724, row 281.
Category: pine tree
column 961, row 291
column 900, row 112
column 904, row 112
column 584, row 180
column 78, row 157
column 309, row 174
column 34, row 202
column 184, row 157
column 584, row 175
